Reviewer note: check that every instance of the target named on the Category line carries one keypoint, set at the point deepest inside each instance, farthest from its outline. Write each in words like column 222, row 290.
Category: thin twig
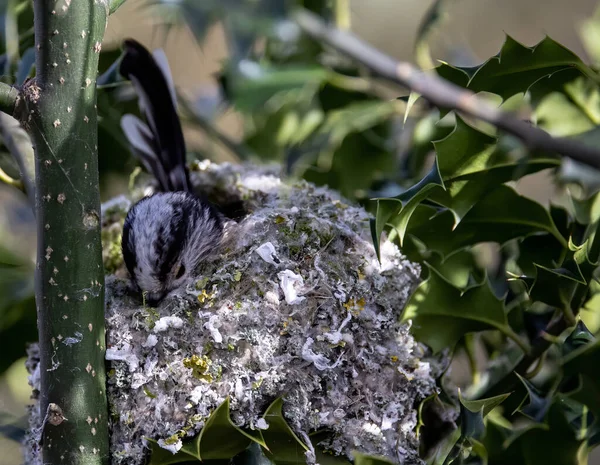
column 441, row 92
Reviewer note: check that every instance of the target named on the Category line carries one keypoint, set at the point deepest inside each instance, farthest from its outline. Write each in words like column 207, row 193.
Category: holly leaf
column 219, row 439
column 555, row 286
column 222, row 439
column 283, row 444
column 468, row 167
column 583, row 363
column 363, row 459
column 400, row 208
column 579, row 337
column 499, row 216
column 472, row 413
column 441, row 314
column 471, row 165
column 515, row 68
column 537, row 404
column 535, row 444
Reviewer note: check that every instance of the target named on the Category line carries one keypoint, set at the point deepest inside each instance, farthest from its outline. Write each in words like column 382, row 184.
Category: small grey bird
column 166, row 235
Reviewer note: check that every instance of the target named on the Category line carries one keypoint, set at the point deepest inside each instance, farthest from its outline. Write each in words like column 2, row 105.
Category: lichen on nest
column 297, row 305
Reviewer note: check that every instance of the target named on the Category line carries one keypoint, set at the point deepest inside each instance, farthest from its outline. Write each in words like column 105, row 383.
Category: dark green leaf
column 283, row 444
column 362, row 459
column 535, row 444
column 499, row 216
column 441, row 314
column 472, row 413
column 555, row 287
column 584, row 363
column 221, row 439
column 459, row 269
column 471, row 165
column 580, row 418
column 538, row 250
column 516, row 68
column 579, row 337
column 160, row 456
column 409, row 201
column 537, row 404
column 483, row 406
column 253, row 455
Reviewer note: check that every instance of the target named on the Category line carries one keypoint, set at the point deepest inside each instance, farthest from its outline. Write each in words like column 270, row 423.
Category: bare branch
column 441, row 92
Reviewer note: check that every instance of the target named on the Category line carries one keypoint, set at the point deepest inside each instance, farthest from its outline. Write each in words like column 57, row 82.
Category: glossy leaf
column 410, row 199
column 471, row 165
column 583, row 363
column 160, row 456
column 441, row 313
column 283, row 444
column 221, row 439
column 579, row 337
column 516, row 68
column 535, row 405
column 555, row 287
column 483, row 406
column 535, row 444
column 472, row 413
column 498, row 217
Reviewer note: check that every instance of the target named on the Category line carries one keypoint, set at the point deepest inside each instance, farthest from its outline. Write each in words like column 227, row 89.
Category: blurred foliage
column 443, row 188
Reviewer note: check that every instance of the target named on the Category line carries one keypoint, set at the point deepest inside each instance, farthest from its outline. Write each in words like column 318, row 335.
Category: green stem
column 508, row 332
column 343, row 15
column 350, row 83
column 59, row 111
column 470, row 351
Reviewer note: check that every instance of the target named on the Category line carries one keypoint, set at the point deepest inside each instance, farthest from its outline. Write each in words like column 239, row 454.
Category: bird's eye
column 180, row 272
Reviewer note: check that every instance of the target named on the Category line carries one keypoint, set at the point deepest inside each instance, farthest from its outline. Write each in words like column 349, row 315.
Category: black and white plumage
column 167, row 235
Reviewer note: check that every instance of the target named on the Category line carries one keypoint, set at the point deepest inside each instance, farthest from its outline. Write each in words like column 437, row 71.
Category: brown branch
column 441, row 92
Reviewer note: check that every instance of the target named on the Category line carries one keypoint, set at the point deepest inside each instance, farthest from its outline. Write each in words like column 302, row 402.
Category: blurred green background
column 473, row 31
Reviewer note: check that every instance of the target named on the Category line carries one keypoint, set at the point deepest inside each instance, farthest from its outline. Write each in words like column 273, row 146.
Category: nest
column 296, row 305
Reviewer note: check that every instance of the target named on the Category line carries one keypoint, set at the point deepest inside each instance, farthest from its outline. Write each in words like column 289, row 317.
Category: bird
column 167, row 235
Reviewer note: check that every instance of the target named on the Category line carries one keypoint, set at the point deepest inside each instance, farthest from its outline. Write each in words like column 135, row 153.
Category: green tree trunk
column 58, row 109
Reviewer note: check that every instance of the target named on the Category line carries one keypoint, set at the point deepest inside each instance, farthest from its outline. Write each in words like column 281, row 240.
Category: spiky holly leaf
column 219, row 439
column 468, row 166
column 283, row 444
column 441, row 314
column 515, row 68
column 499, row 216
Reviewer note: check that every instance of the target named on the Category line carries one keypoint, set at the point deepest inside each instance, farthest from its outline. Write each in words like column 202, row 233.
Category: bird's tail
column 159, row 144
